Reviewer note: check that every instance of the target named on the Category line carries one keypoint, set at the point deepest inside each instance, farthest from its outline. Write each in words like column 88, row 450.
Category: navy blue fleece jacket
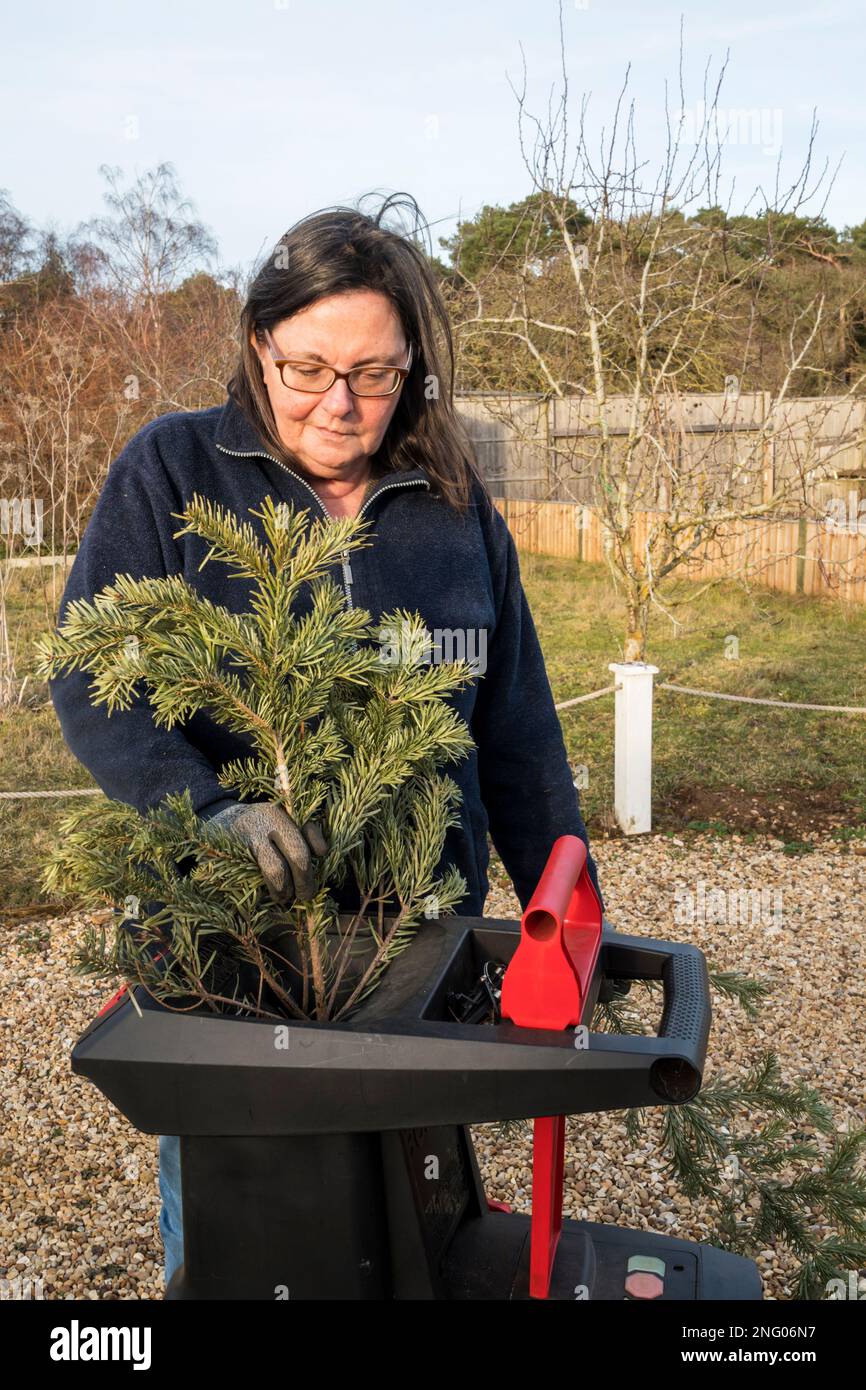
column 458, row 572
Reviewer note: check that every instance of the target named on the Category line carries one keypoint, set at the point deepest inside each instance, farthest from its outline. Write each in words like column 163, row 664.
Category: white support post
column 633, row 755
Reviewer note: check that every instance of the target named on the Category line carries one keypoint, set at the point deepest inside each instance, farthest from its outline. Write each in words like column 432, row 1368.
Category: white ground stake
column 633, row 753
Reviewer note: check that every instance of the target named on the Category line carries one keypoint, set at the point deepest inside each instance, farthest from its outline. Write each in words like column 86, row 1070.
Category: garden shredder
column 324, row 1160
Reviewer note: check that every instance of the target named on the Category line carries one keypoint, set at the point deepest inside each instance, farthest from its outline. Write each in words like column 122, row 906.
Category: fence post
column 633, row 744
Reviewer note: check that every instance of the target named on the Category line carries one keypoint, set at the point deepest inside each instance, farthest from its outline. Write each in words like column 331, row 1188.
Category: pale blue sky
column 269, row 109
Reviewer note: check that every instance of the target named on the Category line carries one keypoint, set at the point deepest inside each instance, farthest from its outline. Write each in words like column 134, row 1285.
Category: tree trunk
column 638, row 621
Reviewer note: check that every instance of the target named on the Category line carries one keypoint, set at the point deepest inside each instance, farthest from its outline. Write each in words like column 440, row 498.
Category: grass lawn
column 716, row 766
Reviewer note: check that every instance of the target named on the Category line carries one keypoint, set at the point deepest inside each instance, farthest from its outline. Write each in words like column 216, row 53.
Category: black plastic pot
column 333, row 1161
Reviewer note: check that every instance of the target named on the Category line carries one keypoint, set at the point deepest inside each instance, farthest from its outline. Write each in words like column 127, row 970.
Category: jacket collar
column 236, row 434
column 234, row 431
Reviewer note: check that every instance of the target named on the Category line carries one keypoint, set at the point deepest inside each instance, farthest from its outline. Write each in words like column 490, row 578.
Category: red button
column 644, row 1286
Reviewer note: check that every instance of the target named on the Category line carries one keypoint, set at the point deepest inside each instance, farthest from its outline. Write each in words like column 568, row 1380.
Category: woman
column 340, row 403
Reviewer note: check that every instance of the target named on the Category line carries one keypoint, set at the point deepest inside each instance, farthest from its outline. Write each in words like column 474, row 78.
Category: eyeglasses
column 371, row 380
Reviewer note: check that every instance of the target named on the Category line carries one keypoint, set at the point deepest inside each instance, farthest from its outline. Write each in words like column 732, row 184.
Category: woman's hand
column 283, row 851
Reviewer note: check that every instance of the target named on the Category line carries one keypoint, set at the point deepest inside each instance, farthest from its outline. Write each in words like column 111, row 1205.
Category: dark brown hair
column 341, row 249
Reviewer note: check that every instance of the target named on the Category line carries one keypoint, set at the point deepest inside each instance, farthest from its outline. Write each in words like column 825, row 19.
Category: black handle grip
column 687, row 1012
column 675, row 1074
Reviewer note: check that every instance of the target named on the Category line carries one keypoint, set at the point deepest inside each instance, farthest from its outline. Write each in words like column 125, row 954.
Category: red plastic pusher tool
column 545, row 986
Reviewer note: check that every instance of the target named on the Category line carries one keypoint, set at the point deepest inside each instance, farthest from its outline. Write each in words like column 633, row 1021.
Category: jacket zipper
column 255, row 454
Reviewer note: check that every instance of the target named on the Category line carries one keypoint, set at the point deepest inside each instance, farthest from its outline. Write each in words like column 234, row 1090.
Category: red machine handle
column 547, row 980
column 545, row 986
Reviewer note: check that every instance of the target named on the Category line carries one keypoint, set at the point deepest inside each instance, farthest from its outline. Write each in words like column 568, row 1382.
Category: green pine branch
column 338, row 731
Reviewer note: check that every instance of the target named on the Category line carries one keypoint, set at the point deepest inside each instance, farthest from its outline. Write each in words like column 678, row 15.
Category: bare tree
column 16, row 237
column 134, row 265
column 655, row 294
column 61, row 425
column 100, row 334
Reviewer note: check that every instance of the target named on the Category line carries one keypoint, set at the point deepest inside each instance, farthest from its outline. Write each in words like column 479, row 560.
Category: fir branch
column 231, row 541
column 749, row 993
column 334, row 733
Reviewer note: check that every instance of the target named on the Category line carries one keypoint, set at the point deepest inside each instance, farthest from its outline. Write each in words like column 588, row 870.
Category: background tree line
column 131, row 316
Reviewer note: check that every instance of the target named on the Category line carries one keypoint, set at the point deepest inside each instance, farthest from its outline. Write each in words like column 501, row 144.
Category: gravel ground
column 78, row 1186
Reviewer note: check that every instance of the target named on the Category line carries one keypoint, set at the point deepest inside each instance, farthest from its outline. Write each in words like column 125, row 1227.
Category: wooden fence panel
column 790, row 556
column 511, row 466
column 545, row 491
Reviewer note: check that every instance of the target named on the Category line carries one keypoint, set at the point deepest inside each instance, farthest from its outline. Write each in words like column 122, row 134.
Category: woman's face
column 332, row 432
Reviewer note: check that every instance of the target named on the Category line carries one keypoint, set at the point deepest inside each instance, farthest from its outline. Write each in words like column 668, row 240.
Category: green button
column 645, row 1264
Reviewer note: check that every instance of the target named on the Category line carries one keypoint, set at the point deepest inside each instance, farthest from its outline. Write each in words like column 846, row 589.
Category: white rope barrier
column 75, row 791
column 582, row 699
column 757, row 700
column 719, row 695
column 633, row 733
column 563, row 704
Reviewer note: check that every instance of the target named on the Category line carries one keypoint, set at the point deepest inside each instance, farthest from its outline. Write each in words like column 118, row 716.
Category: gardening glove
column 283, row 852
